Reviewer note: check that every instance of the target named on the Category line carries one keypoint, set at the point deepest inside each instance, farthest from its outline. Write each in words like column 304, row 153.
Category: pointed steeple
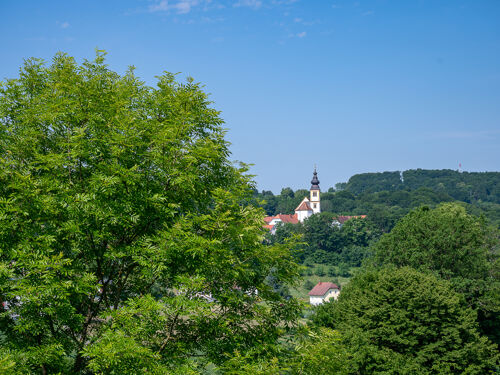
column 315, row 181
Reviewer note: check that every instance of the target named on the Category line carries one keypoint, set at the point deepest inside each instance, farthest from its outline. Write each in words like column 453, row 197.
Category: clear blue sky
column 352, row 86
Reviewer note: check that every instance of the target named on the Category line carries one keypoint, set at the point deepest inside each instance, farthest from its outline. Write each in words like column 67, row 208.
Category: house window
column 314, row 205
column 315, row 194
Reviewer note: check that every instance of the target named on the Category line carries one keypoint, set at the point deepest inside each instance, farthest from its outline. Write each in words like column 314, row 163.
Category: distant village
column 322, row 291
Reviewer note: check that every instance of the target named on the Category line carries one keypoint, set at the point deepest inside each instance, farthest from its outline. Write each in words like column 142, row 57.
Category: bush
column 344, row 270
column 320, row 271
column 309, row 285
column 332, row 271
column 308, row 262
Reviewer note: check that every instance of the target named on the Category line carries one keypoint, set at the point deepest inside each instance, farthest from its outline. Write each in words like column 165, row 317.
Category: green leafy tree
column 401, row 321
column 320, row 234
column 332, row 271
column 124, row 243
column 382, row 217
column 359, row 232
column 315, row 352
column 456, row 246
column 370, row 182
column 285, row 232
column 320, row 271
column 344, row 270
column 309, row 284
column 287, row 193
column 340, row 186
column 321, row 352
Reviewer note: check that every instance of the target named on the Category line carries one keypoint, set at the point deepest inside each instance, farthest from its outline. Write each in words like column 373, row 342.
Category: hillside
column 462, row 186
column 387, row 196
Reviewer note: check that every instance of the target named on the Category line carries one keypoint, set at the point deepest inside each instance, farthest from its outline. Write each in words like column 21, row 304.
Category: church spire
column 315, row 181
column 315, row 193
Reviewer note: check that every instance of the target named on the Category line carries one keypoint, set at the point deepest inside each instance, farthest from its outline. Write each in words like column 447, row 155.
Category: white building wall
column 318, row 300
column 275, row 221
column 315, row 300
column 302, row 215
column 332, row 293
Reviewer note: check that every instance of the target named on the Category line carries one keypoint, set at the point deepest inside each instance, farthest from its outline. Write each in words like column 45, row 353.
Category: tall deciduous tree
column 456, row 246
column 123, row 246
column 401, row 321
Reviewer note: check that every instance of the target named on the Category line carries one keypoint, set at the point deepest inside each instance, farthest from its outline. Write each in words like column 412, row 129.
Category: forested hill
column 385, row 197
column 462, row 186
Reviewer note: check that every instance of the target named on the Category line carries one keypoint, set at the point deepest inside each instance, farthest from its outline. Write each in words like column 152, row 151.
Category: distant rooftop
column 321, row 288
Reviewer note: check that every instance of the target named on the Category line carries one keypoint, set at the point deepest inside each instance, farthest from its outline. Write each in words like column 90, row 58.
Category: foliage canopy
column 456, row 246
column 401, row 321
column 124, row 247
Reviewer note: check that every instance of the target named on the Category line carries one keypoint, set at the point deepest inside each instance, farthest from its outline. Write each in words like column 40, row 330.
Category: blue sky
column 352, row 86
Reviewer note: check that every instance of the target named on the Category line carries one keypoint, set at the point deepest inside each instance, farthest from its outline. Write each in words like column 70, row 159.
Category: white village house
column 271, row 221
column 323, row 292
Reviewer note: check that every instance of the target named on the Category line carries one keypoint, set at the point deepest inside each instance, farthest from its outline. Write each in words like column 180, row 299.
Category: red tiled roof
column 285, row 218
column 304, row 206
column 321, row 288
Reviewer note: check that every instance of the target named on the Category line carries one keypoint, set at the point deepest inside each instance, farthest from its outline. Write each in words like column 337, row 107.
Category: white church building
column 309, row 206
column 312, row 205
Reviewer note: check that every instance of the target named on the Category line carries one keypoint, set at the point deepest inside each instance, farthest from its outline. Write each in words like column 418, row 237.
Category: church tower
column 314, row 197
